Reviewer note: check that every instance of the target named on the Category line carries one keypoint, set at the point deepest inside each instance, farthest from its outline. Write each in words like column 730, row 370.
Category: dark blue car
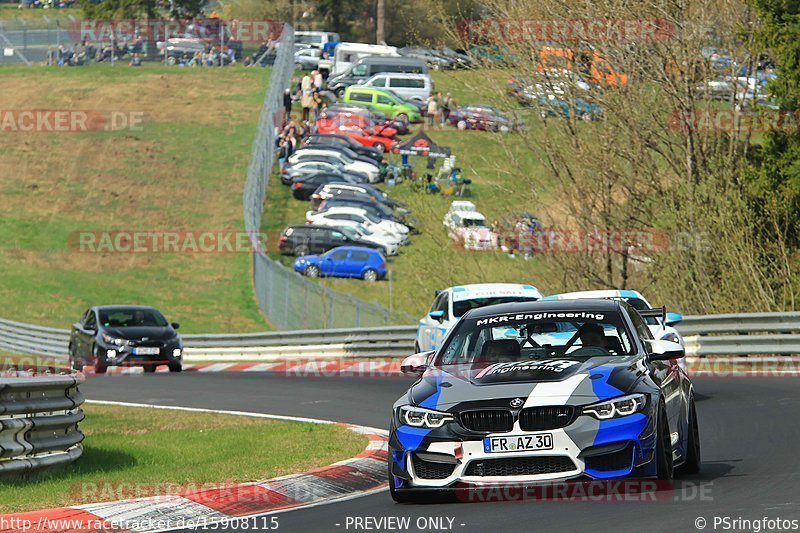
column 344, row 262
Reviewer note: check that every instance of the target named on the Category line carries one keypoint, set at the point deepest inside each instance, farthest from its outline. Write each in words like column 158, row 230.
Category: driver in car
column 594, row 335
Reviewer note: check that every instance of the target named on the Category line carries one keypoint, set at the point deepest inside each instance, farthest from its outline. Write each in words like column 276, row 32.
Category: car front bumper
column 587, row 448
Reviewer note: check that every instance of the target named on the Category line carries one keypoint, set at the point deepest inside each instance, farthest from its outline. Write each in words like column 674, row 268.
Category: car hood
column 136, row 333
column 549, row 381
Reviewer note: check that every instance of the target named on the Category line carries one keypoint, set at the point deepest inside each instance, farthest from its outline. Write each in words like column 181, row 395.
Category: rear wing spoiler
column 656, row 312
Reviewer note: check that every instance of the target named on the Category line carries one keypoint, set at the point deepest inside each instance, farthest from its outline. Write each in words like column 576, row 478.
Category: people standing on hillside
column 447, row 105
column 317, row 77
column 306, row 95
column 287, row 106
column 432, row 110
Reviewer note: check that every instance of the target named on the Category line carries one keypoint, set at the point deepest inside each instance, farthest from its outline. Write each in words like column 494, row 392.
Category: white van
column 315, row 39
column 348, row 53
column 407, row 85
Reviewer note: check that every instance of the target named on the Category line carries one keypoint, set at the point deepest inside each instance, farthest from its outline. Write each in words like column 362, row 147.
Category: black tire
column 691, row 464
column 301, row 250
column 311, row 271
column 379, row 147
column 665, row 469
column 149, row 368
column 370, row 275
column 339, row 92
column 175, row 367
column 74, row 363
column 100, row 363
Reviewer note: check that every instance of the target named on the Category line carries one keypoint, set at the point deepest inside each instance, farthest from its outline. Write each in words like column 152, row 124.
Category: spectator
column 447, row 105
column 432, row 110
column 319, row 105
column 287, row 106
column 283, row 153
column 317, row 77
column 136, row 61
column 306, row 98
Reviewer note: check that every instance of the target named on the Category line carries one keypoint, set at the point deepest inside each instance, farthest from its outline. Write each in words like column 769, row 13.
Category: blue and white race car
column 451, row 303
column 662, row 328
column 509, row 398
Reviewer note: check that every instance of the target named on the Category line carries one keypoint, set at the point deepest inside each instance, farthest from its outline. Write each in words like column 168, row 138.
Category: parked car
column 390, row 243
column 382, row 101
column 125, row 335
column 344, row 262
column 366, row 67
column 560, row 106
column 304, row 188
column 309, row 167
column 372, row 207
column 307, row 58
column 408, row 86
column 366, row 115
column 432, row 59
column 318, row 140
column 452, row 302
column 369, row 168
column 351, row 189
column 482, row 117
column 354, row 216
column 304, row 239
column 468, row 227
column 462, row 60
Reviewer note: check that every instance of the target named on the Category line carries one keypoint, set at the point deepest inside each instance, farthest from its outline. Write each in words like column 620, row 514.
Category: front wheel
column 691, row 464
column 175, row 366
column 665, row 468
column 380, row 147
column 100, row 363
column 462, row 125
column 311, row 271
column 149, row 368
column 370, row 275
column 74, row 363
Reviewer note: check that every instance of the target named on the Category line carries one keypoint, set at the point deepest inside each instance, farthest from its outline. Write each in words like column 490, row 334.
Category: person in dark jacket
column 287, row 106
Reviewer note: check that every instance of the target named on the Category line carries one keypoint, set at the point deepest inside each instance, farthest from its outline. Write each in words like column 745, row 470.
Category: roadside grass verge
column 137, row 452
column 184, row 170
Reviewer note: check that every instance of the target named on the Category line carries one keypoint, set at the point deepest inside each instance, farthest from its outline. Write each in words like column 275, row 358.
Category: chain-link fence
column 25, row 42
column 289, row 300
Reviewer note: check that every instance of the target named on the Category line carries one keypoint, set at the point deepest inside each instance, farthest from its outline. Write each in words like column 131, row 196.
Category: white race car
column 453, row 302
column 661, row 330
column 467, row 226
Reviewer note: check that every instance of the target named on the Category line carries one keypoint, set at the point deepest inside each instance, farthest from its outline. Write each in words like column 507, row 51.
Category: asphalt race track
column 750, row 430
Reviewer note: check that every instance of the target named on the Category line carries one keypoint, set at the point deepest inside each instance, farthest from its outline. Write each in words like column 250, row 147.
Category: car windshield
column 461, row 307
column 125, row 317
column 535, row 335
column 372, row 218
column 473, row 222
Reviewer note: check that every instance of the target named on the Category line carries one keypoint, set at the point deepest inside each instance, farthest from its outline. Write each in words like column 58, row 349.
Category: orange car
column 596, row 69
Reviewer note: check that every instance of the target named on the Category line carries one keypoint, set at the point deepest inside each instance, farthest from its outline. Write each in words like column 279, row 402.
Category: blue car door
column 358, row 262
column 336, row 263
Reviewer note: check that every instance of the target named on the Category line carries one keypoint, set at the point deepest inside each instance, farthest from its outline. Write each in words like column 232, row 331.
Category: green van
column 382, row 101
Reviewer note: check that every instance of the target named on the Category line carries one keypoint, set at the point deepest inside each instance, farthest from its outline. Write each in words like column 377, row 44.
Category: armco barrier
column 39, row 416
column 708, row 335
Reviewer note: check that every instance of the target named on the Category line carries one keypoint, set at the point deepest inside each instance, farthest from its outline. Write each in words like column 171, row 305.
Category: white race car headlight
column 424, row 418
column 617, row 407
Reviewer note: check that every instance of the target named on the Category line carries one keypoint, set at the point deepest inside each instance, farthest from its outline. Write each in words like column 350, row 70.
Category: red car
column 360, row 130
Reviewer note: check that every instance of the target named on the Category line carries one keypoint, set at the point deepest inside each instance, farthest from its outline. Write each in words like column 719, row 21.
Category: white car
column 354, row 217
column 390, row 243
column 407, row 85
column 372, row 171
column 468, row 227
column 453, row 302
column 661, row 330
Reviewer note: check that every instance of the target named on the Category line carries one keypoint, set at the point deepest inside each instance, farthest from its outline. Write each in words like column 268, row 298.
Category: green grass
column 501, row 184
column 133, row 452
column 183, row 171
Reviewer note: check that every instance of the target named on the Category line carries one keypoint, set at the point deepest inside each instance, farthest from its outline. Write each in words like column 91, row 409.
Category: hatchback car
column 304, row 239
column 382, row 101
column 344, row 262
column 125, row 335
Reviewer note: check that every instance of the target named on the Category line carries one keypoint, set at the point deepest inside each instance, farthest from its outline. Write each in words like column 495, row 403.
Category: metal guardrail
column 39, row 417
column 708, row 335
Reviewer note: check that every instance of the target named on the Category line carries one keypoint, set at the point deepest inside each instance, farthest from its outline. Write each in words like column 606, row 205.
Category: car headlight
column 108, row 339
column 617, row 407
column 427, row 418
column 671, row 337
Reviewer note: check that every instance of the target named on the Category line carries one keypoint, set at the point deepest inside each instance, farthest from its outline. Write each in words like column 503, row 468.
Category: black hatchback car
column 305, row 239
column 125, row 335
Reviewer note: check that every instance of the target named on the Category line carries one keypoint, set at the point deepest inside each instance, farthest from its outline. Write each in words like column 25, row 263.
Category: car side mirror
column 673, row 318
column 437, row 315
column 175, row 325
column 665, row 350
column 93, row 331
column 415, row 364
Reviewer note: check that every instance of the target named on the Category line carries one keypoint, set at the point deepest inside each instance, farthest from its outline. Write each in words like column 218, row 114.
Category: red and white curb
column 352, row 478
column 289, row 368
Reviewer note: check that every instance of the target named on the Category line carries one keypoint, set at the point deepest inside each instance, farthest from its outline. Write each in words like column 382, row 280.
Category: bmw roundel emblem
column 516, row 402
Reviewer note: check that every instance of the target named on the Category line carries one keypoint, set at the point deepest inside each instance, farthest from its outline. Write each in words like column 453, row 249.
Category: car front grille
column 487, row 420
column 431, row 470
column 546, row 417
column 619, row 460
column 520, row 466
